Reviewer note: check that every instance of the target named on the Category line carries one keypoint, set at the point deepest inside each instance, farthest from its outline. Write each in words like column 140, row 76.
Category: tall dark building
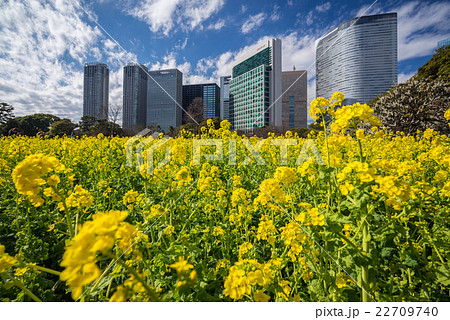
column 164, row 98
column 208, row 94
column 96, row 90
column 134, row 97
column 294, row 104
column 225, row 113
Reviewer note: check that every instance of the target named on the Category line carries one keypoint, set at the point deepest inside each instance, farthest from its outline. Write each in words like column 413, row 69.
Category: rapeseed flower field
column 365, row 218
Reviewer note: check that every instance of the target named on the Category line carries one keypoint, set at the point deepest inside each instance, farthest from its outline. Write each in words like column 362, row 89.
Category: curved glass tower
column 358, row 58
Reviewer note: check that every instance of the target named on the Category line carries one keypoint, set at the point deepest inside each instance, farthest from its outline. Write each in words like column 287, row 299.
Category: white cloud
column 161, row 15
column 299, row 51
column 43, row 47
column 368, row 10
column 253, row 22
column 157, row 14
column 181, row 46
column 170, row 62
column 403, row 77
column 115, row 57
column 290, row 3
column 309, row 18
column 275, row 16
column 218, row 25
column 324, row 7
column 196, row 11
column 243, row 8
column 34, row 38
column 420, row 26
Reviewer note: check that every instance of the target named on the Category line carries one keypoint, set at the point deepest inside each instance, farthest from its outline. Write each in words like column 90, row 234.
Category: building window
column 291, row 112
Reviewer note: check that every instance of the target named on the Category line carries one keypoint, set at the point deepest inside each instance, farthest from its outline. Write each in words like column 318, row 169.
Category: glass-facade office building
column 164, row 102
column 255, row 87
column 134, row 97
column 225, row 112
column 209, row 94
column 358, row 58
column 443, row 43
column 96, row 90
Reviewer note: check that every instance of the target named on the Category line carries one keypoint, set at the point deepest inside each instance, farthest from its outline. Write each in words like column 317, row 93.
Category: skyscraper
column 208, row 94
column 134, row 97
column 294, row 101
column 358, row 58
column 96, row 90
column 225, row 98
column 443, row 43
column 255, row 87
column 164, row 100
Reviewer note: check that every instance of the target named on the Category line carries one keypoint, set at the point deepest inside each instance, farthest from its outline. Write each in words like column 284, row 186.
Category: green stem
column 69, row 224
column 144, row 283
column 365, row 268
column 326, row 139
column 361, row 157
column 69, row 221
column 23, row 288
column 32, row 266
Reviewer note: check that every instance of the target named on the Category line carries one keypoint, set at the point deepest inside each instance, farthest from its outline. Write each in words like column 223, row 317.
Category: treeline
column 41, row 124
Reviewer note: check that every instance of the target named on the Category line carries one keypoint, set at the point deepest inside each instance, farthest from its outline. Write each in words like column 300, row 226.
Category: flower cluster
column 355, row 172
column 285, row 175
column 447, row 115
column 266, row 230
column 79, row 198
column 96, row 236
column 6, row 261
column 395, row 189
column 353, row 115
column 130, row 198
column 270, row 191
column 185, row 275
column 242, row 276
column 320, row 106
column 29, row 176
column 293, row 238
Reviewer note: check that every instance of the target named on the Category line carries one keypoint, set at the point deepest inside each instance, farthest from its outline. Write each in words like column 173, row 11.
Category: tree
column 6, row 112
column 31, row 124
column 62, row 127
column 105, row 127
column 86, row 123
column 418, row 104
column 194, row 112
column 438, row 67
column 114, row 112
column 10, row 126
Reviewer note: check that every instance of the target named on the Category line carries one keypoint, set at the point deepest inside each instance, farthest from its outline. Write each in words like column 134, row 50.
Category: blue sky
column 44, row 44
